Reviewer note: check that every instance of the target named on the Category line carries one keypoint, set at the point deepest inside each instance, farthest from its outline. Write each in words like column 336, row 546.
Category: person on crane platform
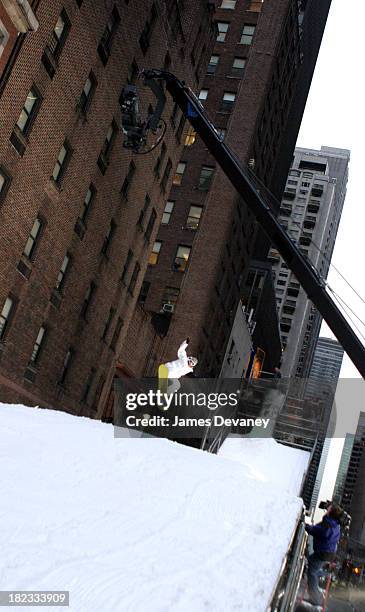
column 170, row 372
column 326, row 536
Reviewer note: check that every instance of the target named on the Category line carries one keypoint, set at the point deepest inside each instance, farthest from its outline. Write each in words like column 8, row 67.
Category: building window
column 126, row 266
column 160, row 159
column 5, row 316
column 142, row 214
column 134, row 278
column 166, row 175
column 104, row 157
column 203, row 94
column 170, row 296
column 228, row 4
column 33, row 239
column 115, row 338
column 213, row 63
column 4, row 183
column 66, row 365
column 62, row 273
column 108, row 238
column 88, row 300
column 179, row 173
column 53, row 49
column 144, row 292
column 86, row 207
column 194, row 216
column 61, row 163
column 238, row 67
column 190, row 137
column 38, row 344
column 88, row 385
column 221, row 132
column 104, row 47
column 167, row 212
column 29, row 111
column 205, row 179
column 247, row 34
column 88, row 92
column 255, row 6
column 153, row 259
column 150, row 225
column 227, row 102
column 145, row 38
column 128, row 179
column 108, row 323
column 222, row 31
column 182, row 258
column 60, row 34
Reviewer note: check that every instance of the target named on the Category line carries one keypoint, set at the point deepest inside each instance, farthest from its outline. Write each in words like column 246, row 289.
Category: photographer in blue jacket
column 326, row 536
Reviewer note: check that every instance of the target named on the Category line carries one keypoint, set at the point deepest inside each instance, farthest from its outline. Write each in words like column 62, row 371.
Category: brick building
column 78, row 213
column 256, row 75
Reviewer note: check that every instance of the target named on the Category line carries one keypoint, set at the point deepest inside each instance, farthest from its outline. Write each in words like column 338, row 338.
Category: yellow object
column 163, row 376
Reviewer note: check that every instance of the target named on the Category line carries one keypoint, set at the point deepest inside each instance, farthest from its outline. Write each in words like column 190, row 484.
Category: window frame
column 4, row 188
column 202, row 185
column 134, row 278
column 63, row 273
column 177, row 181
column 153, row 261
column 7, row 319
column 35, row 239
column 38, row 346
column 238, row 72
column 86, row 99
column 222, row 33
column 31, row 116
column 201, row 208
column 246, row 35
column 106, row 41
column 226, row 105
column 177, row 266
column 213, row 64
column 65, row 162
column 230, row 2
column 167, row 212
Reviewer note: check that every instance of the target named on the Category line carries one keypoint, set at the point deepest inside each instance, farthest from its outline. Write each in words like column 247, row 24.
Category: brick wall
column 32, row 192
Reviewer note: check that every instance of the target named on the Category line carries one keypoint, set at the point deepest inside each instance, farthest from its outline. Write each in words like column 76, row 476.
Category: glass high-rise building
column 310, row 211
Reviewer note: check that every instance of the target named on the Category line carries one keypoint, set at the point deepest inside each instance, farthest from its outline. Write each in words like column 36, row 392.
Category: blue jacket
column 326, row 535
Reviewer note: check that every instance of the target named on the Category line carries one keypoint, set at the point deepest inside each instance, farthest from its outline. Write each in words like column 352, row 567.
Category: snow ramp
column 141, row 524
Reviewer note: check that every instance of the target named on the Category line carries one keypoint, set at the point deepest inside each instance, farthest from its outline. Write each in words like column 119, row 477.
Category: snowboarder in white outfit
column 170, row 372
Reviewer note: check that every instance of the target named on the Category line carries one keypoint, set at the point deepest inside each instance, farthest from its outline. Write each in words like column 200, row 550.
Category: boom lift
column 136, row 132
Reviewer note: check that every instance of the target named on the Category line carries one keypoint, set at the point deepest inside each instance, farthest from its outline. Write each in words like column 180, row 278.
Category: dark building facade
column 78, row 213
column 258, row 298
column 207, row 237
column 353, row 498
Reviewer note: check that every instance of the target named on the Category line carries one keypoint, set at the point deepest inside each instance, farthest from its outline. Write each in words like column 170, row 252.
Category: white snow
column 139, row 524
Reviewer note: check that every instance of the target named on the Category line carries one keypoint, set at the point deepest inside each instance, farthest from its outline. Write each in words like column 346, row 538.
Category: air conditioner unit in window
column 168, row 307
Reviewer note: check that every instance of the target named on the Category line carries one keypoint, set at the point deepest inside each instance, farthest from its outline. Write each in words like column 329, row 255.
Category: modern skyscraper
column 321, row 387
column 343, row 468
column 326, row 366
column 310, row 210
column 353, row 495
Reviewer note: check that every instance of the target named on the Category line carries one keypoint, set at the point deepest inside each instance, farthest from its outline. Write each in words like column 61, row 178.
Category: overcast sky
column 334, row 116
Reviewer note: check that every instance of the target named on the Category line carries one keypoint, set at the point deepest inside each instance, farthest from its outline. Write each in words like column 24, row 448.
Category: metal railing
column 287, row 586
